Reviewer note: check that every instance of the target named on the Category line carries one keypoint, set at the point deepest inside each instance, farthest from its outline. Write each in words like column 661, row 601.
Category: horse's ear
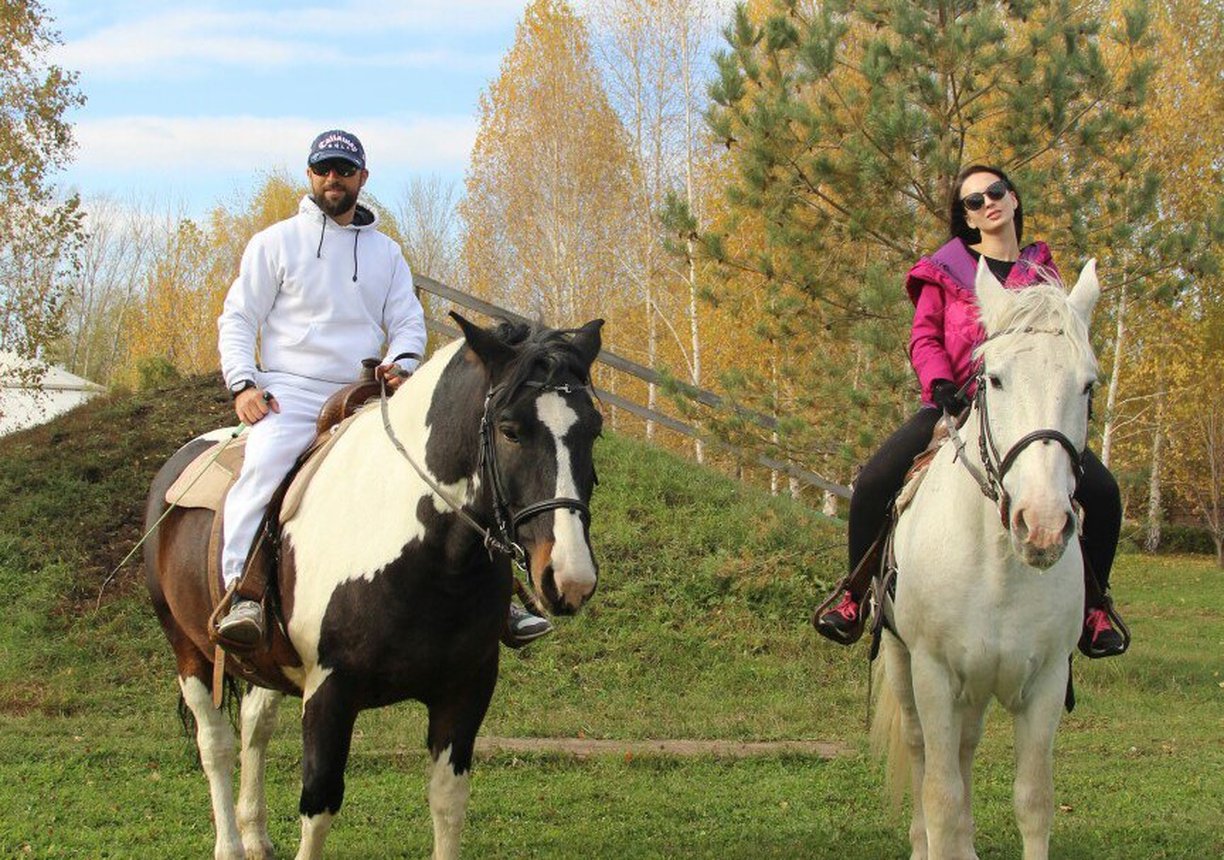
column 493, row 354
column 992, row 298
column 1087, row 290
column 588, row 342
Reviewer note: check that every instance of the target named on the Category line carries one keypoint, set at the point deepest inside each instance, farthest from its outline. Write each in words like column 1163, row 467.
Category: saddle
column 206, row 481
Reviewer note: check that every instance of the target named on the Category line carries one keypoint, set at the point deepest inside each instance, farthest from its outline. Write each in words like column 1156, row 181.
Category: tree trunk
column 1151, row 542
column 1111, row 401
column 694, row 332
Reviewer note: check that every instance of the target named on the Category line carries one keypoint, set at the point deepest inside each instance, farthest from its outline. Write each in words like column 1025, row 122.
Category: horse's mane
column 1044, row 307
column 540, row 350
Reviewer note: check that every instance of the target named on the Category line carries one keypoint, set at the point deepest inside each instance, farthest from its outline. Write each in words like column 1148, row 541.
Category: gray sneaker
column 243, row 624
column 523, row 627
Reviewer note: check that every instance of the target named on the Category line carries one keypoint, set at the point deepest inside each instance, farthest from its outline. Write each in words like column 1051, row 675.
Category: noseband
column 507, row 518
column 996, row 467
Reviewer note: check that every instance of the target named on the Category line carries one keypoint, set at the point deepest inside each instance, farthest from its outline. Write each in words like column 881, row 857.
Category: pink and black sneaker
column 1099, row 638
column 844, row 623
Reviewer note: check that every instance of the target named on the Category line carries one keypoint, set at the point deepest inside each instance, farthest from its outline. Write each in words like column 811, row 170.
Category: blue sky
column 192, row 104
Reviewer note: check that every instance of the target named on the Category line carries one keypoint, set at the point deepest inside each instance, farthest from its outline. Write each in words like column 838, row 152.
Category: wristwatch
column 240, row 386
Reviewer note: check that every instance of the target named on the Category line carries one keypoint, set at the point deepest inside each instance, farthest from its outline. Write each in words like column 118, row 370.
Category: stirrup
column 218, row 637
column 1119, row 626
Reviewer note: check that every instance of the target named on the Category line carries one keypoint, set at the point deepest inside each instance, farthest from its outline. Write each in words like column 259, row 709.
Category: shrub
column 156, row 372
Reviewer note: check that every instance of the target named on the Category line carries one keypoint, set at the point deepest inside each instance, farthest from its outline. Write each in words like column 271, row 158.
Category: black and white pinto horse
column 386, row 592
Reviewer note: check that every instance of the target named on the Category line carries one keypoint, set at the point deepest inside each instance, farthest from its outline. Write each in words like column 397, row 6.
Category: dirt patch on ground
column 586, row 747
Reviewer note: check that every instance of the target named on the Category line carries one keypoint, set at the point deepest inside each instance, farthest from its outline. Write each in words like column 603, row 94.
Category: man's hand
column 392, row 374
column 253, row 404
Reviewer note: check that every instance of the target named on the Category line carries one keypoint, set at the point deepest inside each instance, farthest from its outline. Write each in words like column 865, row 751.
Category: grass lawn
column 699, row 630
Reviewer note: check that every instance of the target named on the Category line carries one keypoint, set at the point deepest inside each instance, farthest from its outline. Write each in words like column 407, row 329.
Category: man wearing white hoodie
column 317, row 292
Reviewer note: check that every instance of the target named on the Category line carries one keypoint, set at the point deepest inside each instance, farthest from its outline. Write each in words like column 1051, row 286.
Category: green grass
column 699, row 630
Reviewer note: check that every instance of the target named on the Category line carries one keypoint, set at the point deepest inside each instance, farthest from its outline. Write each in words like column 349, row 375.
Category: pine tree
column 846, row 123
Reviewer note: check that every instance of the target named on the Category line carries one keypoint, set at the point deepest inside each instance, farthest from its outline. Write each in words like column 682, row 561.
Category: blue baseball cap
column 337, row 144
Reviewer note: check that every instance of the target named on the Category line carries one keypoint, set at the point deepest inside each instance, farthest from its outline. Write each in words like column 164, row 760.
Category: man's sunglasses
column 975, row 201
column 343, row 168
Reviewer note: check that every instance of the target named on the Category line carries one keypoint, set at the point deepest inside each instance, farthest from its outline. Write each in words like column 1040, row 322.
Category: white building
column 33, row 392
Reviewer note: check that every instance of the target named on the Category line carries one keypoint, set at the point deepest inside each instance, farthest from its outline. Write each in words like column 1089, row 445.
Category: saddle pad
column 205, row 480
column 913, row 479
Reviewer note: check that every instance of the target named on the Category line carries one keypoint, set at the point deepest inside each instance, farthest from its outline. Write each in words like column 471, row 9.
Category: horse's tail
column 887, row 734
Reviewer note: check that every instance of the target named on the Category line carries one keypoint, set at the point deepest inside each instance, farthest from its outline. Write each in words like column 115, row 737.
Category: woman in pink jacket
column 986, row 220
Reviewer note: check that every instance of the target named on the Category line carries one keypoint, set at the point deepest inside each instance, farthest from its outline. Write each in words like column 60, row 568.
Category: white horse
column 990, row 587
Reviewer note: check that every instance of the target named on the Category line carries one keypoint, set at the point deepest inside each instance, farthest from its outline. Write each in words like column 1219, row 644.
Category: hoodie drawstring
column 319, row 250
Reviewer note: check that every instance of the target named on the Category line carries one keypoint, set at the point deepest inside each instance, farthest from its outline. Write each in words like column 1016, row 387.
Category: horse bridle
column 996, row 467
column 507, row 519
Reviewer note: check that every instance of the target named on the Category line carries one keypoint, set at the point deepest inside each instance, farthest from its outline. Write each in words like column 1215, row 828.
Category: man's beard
column 342, row 205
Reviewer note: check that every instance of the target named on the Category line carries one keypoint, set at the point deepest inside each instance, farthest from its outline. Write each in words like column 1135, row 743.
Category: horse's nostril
column 1020, row 527
column 1069, row 528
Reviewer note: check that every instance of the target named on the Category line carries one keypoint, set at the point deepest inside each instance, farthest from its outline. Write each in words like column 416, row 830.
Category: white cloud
column 429, row 34
column 173, row 144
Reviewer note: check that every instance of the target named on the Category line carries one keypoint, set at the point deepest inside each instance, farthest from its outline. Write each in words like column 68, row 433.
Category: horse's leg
column 1033, row 790
column 216, row 742
column 971, row 735
column 452, row 736
column 327, row 731
column 901, row 679
column 943, row 786
column 258, row 722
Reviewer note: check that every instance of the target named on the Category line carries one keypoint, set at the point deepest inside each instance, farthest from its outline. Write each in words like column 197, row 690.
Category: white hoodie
column 320, row 297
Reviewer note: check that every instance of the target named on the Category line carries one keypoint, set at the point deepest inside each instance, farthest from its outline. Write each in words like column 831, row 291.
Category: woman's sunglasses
column 347, row 168
column 975, row 201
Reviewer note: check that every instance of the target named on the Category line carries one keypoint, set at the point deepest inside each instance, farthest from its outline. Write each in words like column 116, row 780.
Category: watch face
column 239, row 387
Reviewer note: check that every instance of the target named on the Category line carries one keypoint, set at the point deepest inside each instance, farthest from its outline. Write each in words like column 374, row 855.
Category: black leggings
column 882, row 476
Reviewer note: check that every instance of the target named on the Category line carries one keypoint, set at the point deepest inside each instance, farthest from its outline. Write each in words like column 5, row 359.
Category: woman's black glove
column 948, row 397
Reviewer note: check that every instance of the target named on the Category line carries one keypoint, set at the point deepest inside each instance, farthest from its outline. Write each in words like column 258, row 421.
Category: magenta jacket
column 946, row 327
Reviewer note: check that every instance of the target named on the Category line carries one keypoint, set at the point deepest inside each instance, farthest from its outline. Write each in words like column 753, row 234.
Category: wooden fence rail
column 646, row 374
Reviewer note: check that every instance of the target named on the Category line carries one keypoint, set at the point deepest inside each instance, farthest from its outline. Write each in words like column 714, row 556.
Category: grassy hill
column 699, row 630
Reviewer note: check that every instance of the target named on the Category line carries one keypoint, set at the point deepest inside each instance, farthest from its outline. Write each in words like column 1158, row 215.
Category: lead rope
column 491, row 541
column 237, row 431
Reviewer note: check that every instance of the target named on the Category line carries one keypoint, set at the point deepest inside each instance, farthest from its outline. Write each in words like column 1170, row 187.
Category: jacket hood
column 953, row 266
column 364, row 218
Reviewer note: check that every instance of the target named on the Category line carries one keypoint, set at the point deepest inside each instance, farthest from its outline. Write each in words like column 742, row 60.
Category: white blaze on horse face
column 573, row 567
column 361, row 507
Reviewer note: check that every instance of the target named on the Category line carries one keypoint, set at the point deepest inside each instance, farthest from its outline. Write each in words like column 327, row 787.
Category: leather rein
column 990, row 482
column 507, row 519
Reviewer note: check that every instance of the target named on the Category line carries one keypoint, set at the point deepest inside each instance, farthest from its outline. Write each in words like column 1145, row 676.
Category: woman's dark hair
column 958, row 227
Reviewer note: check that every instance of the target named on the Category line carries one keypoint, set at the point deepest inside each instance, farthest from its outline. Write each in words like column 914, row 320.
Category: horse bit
column 507, row 521
column 996, row 468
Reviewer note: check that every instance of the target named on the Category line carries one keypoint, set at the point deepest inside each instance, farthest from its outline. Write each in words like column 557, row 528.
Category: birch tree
column 40, row 234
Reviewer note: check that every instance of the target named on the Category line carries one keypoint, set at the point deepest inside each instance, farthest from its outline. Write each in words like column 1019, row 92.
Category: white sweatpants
column 273, row 445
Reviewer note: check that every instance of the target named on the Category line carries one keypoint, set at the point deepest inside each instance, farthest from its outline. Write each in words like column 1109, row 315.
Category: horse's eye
column 1088, row 388
column 995, row 382
column 510, row 431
